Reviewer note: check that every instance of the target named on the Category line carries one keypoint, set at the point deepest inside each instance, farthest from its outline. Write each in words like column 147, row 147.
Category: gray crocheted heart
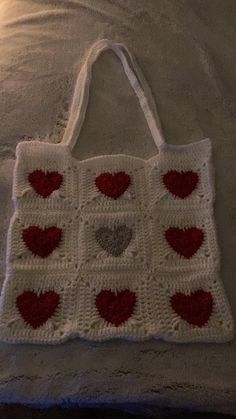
column 114, row 241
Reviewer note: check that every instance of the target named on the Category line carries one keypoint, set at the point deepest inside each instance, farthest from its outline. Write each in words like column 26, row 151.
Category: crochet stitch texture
column 113, row 246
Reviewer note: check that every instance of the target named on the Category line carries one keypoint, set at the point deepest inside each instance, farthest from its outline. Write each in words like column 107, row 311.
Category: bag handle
column 81, row 93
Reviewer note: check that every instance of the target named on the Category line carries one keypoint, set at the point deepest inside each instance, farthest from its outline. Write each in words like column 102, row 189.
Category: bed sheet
column 187, row 52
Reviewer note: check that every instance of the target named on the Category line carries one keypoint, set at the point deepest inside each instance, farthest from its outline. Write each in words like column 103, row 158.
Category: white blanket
column 186, row 49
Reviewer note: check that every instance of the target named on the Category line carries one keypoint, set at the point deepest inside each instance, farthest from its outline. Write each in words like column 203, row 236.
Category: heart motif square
column 44, row 183
column 37, row 309
column 114, row 241
column 186, row 241
column 113, row 185
column 195, row 308
column 42, row 242
column 180, row 184
column 116, row 308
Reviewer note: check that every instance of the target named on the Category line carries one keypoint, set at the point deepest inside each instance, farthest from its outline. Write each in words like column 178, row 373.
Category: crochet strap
column 81, row 93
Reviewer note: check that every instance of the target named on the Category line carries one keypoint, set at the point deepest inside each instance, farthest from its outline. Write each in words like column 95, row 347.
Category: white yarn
column 130, row 252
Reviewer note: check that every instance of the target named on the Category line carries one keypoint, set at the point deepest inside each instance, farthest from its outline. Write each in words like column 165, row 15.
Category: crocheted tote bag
column 113, row 246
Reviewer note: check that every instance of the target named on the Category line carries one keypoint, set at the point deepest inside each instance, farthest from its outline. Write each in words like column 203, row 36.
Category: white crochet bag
column 113, row 246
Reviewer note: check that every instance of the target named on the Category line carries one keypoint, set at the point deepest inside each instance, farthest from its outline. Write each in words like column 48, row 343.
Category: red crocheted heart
column 113, row 185
column 40, row 241
column 185, row 242
column 181, row 183
column 37, row 309
column 116, row 308
column 45, row 183
column 195, row 308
